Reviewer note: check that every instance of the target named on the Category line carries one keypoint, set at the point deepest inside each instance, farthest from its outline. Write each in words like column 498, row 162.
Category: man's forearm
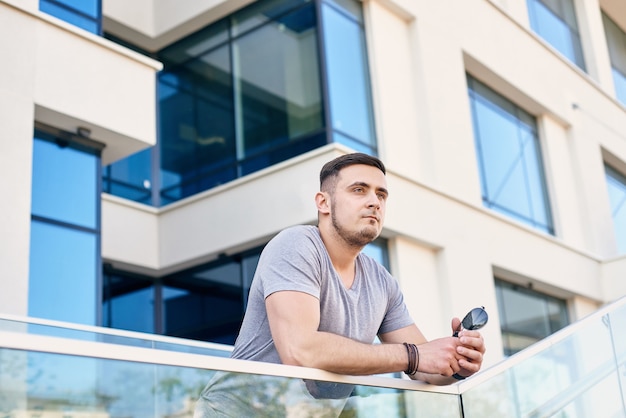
column 343, row 355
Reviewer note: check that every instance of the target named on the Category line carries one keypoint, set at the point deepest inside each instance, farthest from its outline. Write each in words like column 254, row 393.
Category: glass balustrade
column 578, row 372
column 52, row 369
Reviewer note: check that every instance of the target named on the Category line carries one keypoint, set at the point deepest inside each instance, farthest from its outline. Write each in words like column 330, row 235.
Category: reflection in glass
column 245, row 93
column 348, row 79
column 616, row 184
column 278, row 83
column 527, row 316
column 196, row 126
column 575, row 376
column 509, row 157
column 204, row 303
column 110, row 388
column 130, row 178
column 555, row 21
column 128, row 303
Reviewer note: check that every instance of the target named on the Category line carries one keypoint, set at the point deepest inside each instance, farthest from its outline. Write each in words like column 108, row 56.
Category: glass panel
column 126, row 338
column 262, row 12
column 527, row 316
column 63, row 277
column 616, row 184
column 53, row 385
column 616, row 42
column 130, row 178
column 574, row 377
column 205, row 303
column 351, row 7
column 620, row 86
column 277, row 83
column 64, row 184
column 234, row 104
column 128, row 303
column 560, row 30
column 509, row 157
column 354, row 144
column 88, row 7
column 196, row 126
column 195, row 45
column 348, row 77
column 378, row 251
column 84, row 14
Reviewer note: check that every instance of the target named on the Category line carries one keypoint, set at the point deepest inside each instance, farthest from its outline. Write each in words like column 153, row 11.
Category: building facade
column 151, row 149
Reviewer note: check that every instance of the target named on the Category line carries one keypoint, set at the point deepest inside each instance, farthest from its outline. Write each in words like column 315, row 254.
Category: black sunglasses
column 475, row 319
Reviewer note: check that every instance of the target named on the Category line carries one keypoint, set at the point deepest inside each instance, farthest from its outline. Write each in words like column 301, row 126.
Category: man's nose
column 373, row 201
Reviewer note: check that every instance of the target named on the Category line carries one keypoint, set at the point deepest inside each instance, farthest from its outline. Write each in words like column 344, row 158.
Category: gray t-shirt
column 296, row 259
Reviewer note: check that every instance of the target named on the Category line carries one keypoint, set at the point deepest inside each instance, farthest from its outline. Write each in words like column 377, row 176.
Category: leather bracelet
column 458, row 376
column 414, row 359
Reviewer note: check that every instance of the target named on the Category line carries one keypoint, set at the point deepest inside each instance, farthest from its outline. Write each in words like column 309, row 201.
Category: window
column 616, row 183
column 65, row 230
column 555, row 21
column 509, row 158
column 248, row 92
column 86, row 14
column 206, row 302
column 616, row 41
column 350, row 103
column 527, row 316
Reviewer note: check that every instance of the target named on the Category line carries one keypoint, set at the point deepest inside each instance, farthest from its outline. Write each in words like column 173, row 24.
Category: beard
column 357, row 239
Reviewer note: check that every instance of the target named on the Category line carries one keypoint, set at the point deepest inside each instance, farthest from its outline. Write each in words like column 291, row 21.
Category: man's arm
column 469, row 348
column 294, row 320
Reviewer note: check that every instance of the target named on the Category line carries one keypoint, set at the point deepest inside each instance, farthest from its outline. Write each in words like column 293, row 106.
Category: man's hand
column 471, row 349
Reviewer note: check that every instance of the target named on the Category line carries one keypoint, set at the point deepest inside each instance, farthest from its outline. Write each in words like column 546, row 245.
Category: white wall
column 64, row 77
column 445, row 247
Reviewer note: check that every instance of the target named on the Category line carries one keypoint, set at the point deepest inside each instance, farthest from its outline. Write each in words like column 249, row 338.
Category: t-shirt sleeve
column 290, row 262
column 397, row 315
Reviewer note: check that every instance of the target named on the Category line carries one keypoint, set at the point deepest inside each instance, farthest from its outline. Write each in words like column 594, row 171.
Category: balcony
column 52, row 369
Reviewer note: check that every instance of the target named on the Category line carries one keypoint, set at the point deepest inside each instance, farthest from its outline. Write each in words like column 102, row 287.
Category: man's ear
column 322, row 201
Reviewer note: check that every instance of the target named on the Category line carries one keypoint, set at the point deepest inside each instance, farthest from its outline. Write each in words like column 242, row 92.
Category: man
column 317, row 301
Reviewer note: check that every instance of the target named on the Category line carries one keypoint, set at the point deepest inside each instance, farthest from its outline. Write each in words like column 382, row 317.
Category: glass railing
column 579, row 371
column 51, row 369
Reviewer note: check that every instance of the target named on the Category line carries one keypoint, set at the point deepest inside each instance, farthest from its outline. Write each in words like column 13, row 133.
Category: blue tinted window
column 277, row 83
column 65, row 231
column 85, row 14
column 555, row 21
column 63, row 278
column 245, row 93
column 616, row 184
column 64, row 184
column 130, row 178
column 206, row 302
column 128, row 303
column 509, row 157
column 620, row 86
column 378, row 251
column 348, row 78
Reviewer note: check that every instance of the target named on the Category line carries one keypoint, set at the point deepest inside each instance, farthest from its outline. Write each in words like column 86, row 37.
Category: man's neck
column 342, row 255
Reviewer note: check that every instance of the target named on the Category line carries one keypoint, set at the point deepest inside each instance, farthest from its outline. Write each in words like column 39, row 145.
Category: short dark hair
column 331, row 169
